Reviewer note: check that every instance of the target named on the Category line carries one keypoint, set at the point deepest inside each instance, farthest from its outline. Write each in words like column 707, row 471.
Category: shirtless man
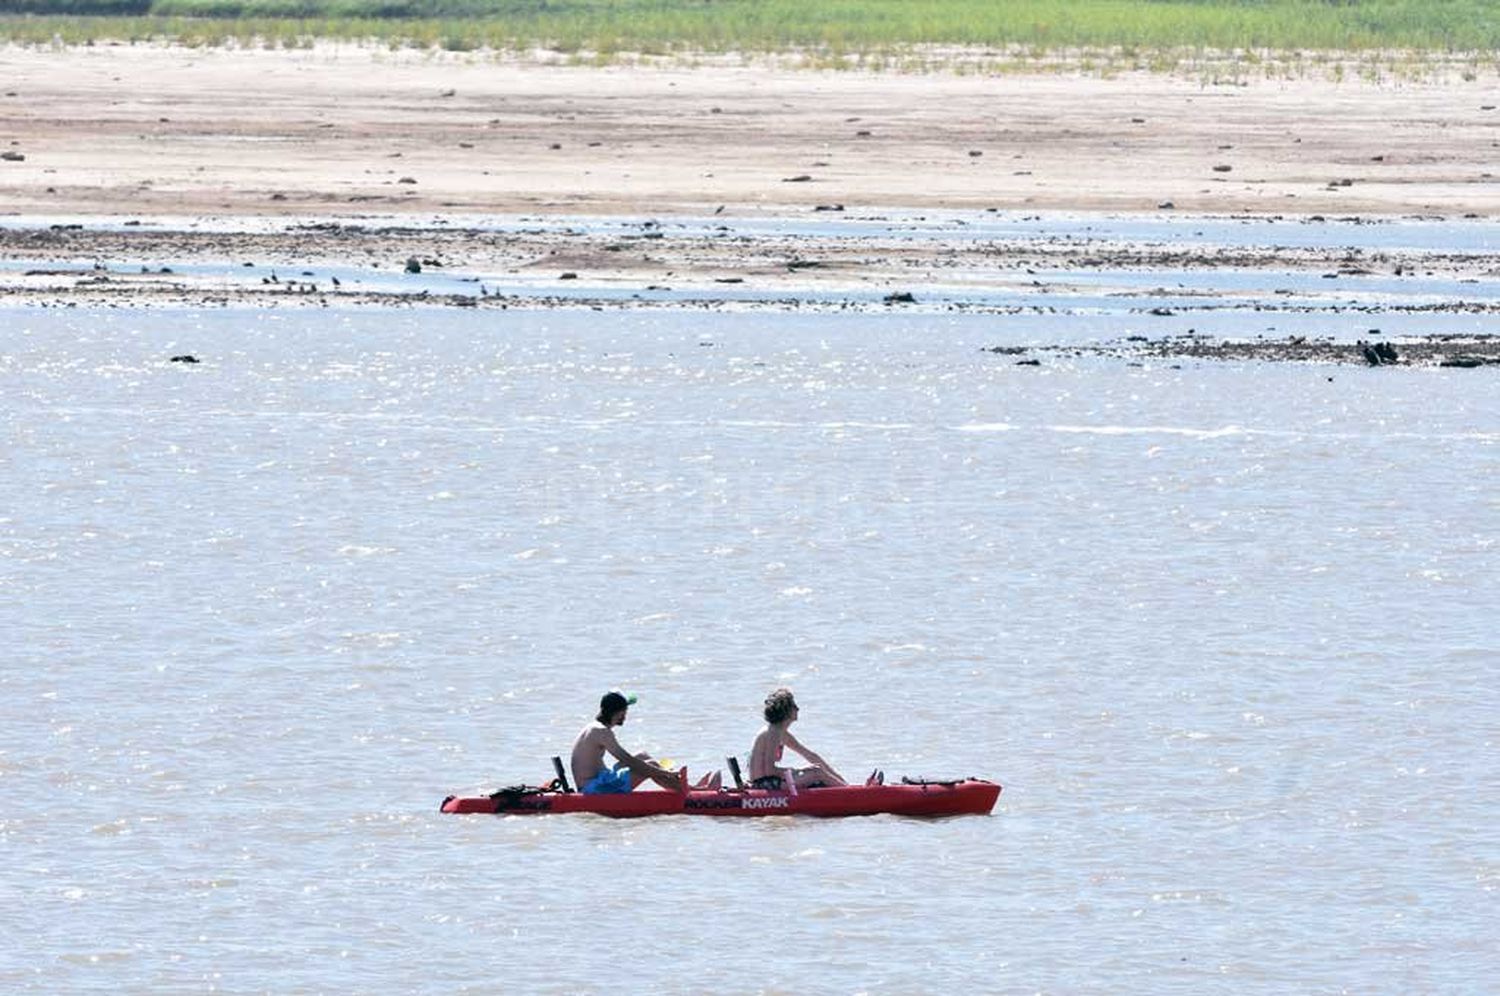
column 593, row 776
column 781, row 712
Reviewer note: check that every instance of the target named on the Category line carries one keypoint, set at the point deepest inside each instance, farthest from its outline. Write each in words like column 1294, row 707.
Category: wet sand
column 340, row 156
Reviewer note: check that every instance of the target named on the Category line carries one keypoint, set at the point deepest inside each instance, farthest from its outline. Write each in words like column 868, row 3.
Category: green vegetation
column 868, row 32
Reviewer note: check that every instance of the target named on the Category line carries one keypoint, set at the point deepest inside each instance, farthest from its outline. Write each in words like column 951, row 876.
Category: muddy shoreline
column 651, row 266
column 650, row 254
column 161, row 177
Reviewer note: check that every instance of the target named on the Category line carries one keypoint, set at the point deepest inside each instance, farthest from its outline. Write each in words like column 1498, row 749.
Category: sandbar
column 117, row 155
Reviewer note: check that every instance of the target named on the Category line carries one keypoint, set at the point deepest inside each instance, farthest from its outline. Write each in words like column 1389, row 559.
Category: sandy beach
column 120, row 156
column 337, row 130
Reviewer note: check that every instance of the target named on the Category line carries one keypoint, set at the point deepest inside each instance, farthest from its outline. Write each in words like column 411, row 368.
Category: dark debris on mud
column 1439, row 350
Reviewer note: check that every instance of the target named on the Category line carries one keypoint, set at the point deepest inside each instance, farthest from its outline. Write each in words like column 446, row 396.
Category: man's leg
column 638, row 779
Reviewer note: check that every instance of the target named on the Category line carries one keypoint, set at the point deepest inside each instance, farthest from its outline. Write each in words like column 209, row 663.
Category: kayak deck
column 968, row 796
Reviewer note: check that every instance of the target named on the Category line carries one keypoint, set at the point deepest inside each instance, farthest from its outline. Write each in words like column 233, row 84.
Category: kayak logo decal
column 717, row 802
column 769, row 802
column 737, row 802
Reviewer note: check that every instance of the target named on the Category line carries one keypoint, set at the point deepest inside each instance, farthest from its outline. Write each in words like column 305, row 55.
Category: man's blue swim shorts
column 609, row 781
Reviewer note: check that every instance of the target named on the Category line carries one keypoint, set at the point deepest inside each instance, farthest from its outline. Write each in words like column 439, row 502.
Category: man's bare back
column 589, row 749
column 593, row 774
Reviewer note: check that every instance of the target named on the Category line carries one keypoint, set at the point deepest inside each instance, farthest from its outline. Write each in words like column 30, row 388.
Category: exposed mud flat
column 966, row 262
column 1137, row 282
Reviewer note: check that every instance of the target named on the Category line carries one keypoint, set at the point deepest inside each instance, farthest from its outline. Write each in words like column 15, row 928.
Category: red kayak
column 913, row 797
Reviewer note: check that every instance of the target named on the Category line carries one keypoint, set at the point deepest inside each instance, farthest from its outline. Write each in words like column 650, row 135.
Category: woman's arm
column 812, row 756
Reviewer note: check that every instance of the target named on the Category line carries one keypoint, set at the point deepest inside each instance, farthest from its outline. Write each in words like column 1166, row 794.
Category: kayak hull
column 968, row 797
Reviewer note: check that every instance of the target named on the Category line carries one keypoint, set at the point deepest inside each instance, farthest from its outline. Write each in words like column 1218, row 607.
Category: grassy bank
column 855, row 31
